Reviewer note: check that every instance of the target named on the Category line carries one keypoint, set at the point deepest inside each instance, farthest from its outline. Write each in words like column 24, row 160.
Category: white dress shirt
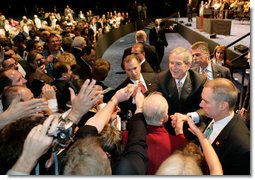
column 218, row 126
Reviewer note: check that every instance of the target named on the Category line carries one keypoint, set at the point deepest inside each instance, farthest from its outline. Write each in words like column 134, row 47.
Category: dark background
column 156, row 8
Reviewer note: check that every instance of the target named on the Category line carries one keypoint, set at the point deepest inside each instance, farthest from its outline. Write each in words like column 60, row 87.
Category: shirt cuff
column 16, row 173
column 194, row 116
column 53, row 105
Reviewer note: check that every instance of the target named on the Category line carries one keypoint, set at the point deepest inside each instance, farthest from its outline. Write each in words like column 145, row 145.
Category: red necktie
column 143, row 89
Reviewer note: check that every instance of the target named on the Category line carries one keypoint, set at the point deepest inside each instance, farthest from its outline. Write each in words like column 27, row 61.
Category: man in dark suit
column 158, row 39
column 77, row 45
column 180, row 85
column 203, row 64
column 86, row 60
column 138, row 50
column 133, row 71
column 229, row 137
column 62, row 75
column 150, row 52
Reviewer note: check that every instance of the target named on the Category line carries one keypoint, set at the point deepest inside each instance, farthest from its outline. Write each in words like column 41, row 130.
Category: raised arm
column 101, row 118
column 35, row 145
column 83, row 101
column 19, row 110
column 211, row 157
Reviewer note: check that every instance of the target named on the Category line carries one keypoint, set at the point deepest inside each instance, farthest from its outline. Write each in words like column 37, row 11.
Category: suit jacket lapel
column 215, row 71
column 187, row 88
column 172, row 85
column 220, row 140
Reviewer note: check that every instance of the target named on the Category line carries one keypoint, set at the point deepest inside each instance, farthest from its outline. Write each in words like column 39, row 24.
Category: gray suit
column 218, row 71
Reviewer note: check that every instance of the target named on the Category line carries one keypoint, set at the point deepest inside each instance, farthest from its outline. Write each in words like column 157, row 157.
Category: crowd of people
column 59, row 118
column 223, row 9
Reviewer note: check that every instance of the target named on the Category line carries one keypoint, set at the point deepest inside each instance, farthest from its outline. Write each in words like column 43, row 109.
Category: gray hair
column 186, row 54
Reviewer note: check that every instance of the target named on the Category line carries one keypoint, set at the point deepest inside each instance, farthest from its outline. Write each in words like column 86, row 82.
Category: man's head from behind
column 86, row 157
column 155, row 109
column 141, row 36
column 100, row 69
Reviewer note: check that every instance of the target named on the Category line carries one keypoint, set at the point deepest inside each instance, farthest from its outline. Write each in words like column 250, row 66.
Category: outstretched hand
column 18, row 110
column 193, row 128
column 125, row 93
column 84, row 100
column 177, row 120
column 36, row 144
column 139, row 99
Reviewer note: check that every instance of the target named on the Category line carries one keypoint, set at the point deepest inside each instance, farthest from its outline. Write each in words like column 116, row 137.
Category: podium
column 217, row 26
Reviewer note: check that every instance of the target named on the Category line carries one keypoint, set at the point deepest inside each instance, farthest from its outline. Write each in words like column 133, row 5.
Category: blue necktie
column 209, row 131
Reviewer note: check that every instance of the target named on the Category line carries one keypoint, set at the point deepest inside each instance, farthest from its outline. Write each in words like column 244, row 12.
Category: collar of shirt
column 142, row 62
column 182, row 80
column 77, row 48
column 208, row 71
column 141, row 79
column 219, row 125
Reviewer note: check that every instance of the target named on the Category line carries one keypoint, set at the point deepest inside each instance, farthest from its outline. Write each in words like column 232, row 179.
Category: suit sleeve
column 134, row 158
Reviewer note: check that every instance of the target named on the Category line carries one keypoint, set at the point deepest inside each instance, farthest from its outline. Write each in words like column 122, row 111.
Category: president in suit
column 203, row 64
column 229, row 137
column 134, row 76
column 181, row 86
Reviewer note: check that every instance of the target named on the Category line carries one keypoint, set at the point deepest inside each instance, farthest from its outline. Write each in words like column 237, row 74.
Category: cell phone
column 39, row 63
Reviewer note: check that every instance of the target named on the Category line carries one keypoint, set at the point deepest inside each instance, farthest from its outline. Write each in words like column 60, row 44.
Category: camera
column 39, row 63
column 64, row 134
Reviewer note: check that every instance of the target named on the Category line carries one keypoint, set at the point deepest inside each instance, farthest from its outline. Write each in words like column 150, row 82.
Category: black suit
column 146, row 67
column 125, row 106
column 158, row 39
column 86, row 67
column 218, row 71
column 232, row 146
column 150, row 55
column 76, row 52
column 60, row 85
column 162, row 43
column 133, row 160
column 246, row 104
column 190, row 95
